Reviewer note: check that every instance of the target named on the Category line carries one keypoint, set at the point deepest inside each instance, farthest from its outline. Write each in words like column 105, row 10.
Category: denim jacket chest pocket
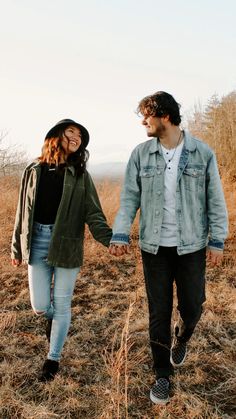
column 148, row 176
column 193, row 177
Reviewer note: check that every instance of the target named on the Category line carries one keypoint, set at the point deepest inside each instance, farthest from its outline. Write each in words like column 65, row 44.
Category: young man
column 173, row 179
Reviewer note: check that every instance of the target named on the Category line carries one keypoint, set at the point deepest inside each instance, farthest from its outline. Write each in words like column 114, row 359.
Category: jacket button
column 158, row 192
column 156, row 230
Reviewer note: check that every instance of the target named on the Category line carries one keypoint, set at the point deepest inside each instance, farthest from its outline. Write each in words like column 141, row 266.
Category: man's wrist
column 120, row 238
column 215, row 245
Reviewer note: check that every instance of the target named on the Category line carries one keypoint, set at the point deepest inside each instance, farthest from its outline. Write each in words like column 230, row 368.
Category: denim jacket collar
column 189, row 144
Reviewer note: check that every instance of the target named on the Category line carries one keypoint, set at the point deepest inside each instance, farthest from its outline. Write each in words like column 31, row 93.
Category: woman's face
column 71, row 139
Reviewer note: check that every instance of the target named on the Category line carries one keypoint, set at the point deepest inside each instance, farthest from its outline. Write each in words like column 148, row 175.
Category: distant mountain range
column 111, row 170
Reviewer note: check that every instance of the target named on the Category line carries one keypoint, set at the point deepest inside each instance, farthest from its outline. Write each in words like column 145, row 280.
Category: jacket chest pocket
column 193, row 178
column 147, row 178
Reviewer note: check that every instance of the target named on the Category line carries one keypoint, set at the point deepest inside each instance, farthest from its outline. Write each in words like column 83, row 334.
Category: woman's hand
column 118, row 249
column 16, row 262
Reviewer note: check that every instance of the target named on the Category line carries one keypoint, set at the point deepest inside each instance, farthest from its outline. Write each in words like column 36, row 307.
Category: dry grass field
column 106, row 368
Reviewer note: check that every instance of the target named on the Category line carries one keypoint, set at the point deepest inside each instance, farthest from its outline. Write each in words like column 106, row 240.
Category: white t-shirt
column 169, row 228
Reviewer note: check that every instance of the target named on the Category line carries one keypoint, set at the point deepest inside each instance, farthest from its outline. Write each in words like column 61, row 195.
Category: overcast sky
column 93, row 60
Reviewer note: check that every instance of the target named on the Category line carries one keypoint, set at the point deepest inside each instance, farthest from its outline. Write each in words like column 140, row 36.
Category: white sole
column 158, row 401
column 173, row 363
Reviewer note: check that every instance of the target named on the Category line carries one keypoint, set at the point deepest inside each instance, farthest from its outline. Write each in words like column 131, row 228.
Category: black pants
column 160, row 271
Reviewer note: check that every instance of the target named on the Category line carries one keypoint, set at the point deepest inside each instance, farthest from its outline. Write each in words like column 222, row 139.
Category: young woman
column 57, row 197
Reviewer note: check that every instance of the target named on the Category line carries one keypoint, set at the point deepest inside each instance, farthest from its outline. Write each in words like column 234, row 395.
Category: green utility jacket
column 79, row 205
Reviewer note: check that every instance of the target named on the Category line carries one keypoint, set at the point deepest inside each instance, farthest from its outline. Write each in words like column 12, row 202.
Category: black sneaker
column 178, row 352
column 48, row 329
column 50, row 368
column 160, row 391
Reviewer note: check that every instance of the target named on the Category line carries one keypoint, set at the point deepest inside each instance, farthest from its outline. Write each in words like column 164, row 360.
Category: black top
column 49, row 193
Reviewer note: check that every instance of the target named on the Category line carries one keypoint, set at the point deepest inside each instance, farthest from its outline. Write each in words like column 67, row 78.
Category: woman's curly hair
column 53, row 153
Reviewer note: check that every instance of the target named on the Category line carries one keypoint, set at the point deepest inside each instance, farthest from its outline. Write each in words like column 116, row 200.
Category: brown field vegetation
column 106, row 368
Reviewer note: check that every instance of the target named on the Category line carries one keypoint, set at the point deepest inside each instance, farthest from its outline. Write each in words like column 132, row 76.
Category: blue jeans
column 52, row 302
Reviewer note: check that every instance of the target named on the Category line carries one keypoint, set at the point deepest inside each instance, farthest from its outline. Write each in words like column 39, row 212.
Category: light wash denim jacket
column 201, row 213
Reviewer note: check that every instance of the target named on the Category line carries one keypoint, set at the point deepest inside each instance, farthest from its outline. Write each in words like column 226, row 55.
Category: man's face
column 154, row 125
column 71, row 139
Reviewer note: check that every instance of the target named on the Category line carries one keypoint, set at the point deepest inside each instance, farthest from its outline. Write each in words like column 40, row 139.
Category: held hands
column 214, row 257
column 118, row 249
column 16, row 262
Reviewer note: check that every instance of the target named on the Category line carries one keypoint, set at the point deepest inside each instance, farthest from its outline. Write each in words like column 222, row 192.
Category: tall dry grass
column 106, row 368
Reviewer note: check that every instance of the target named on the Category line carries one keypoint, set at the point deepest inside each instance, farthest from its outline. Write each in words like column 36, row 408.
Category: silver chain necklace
column 170, row 159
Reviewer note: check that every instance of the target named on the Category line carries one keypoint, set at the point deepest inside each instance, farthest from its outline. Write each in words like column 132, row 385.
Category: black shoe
column 160, row 391
column 48, row 329
column 50, row 368
column 178, row 352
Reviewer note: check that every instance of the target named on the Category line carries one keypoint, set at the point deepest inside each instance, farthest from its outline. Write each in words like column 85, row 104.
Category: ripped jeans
column 52, row 302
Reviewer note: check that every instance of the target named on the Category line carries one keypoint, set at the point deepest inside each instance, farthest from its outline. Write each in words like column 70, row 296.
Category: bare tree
column 217, row 126
column 196, row 122
column 12, row 158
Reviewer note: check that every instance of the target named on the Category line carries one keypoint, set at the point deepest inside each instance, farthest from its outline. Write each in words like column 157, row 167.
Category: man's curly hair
column 160, row 104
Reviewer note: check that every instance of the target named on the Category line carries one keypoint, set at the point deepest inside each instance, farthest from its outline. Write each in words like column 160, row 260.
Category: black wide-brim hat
column 63, row 124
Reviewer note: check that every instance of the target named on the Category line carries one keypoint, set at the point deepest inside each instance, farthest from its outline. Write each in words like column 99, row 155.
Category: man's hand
column 214, row 257
column 118, row 249
column 16, row 262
